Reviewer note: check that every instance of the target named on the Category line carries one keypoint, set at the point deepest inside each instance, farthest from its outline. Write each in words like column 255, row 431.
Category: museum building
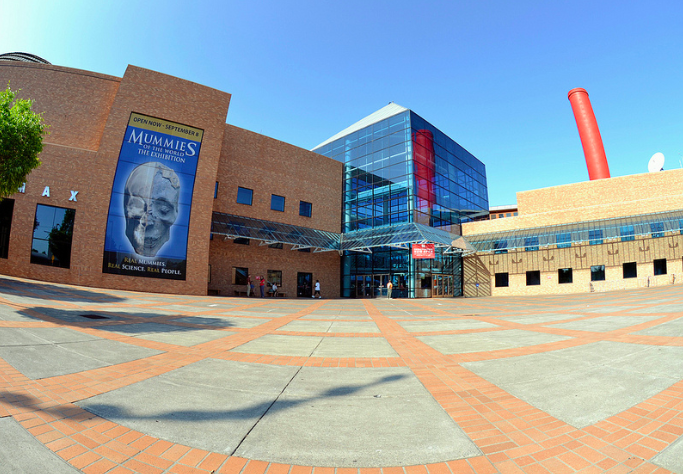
column 599, row 235
column 143, row 186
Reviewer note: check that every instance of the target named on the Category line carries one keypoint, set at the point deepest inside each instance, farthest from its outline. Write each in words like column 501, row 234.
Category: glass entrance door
column 442, row 286
column 303, row 284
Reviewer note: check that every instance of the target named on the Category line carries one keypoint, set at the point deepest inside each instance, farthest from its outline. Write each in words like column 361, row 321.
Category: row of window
column 595, row 237
column 564, row 275
column 502, row 215
column 240, row 275
column 277, row 203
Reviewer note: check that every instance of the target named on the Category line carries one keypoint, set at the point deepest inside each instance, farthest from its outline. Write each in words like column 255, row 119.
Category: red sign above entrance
column 423, row 251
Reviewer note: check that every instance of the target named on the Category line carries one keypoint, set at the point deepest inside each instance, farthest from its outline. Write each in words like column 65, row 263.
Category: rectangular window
column 6, row 211
column 275, row 276
column 277, row 245
column 277, row 203
column 244, row 196
column 564, row 275
column 239, row 275
column 305, row 208
column 501, row 246
column 531, row 243
column 564, row 240
column 501, row 280
column 657, row 229
column 595, row 237
column 215, row 191
column 597, row 273
column 307, row 250
column 493, row 216
column 241, row 241
column 53, row 230
column 660, row 266
column 533, row 278
column 630, row 270
column 627, row 233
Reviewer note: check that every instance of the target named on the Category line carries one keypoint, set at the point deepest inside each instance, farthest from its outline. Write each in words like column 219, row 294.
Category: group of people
column 262, row 284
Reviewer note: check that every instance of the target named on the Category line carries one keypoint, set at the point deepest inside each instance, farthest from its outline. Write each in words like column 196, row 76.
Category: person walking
column 249, row 285
column 317, row 289
column 390, row 286
column 262, row 286
column 274, row 289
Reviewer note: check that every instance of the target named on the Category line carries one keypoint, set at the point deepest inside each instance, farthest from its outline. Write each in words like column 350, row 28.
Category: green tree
column 21, row 140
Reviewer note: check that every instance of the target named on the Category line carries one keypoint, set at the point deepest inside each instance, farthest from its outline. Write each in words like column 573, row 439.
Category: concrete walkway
column 99, row 381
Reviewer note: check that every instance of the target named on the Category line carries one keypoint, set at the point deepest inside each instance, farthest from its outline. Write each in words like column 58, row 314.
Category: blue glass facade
column 403, row 169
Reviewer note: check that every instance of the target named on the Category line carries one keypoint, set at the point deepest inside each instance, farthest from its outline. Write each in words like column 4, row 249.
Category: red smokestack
column 596, row 161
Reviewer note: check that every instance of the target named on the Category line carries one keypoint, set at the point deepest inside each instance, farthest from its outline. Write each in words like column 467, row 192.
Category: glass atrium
column 401, row 169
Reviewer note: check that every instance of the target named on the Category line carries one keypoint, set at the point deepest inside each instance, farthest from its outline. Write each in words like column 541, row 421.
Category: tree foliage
column 21, row 141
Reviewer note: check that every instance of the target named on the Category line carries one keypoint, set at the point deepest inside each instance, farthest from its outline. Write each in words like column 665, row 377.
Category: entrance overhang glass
column 398, row 236
column 267, row 232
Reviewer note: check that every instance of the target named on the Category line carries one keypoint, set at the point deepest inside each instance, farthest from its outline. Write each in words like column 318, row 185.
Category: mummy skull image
column 150, row 204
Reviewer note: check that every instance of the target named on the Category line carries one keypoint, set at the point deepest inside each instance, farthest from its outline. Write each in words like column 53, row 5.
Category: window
column 627, row 233
column 244, row 196
column 595, row 237
column 239, row 275
column 630, row 270
column 597, row 273
column 531, row 243
column 215, row 191
column 501, row 246
column 515, row 213
column 277, row 203
column 241, row 241
column 657, row 229
column 508, row 214
column 493, row 216
column 53, row 230
column 660, row 266
column 564, row 275
column 307, row 249
column 6, row 211
column 564, row 240
column 275, row 276
column 533, row 278
column 501, row 280
column 305, row 208
column 277, row 245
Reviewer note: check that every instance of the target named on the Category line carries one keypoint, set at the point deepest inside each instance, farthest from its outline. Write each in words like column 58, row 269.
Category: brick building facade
column 88, row 114
column 599, row 235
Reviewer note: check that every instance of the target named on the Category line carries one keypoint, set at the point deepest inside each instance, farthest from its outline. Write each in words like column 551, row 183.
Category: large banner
column 149, row 210
column 423, row 251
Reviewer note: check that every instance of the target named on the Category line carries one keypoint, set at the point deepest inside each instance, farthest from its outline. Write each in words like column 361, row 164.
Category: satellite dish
column 656, row 163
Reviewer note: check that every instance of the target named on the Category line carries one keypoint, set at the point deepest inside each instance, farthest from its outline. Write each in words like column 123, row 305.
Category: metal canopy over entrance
column 235, row 227
column 397, row 236
column 401, row 236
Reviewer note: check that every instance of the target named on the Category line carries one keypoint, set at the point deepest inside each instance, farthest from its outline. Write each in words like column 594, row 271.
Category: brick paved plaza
column 97, row 381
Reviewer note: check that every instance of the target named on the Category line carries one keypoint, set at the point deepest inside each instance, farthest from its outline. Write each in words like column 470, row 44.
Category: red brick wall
column 74, row 103
column 268, row 166
column 98, row 110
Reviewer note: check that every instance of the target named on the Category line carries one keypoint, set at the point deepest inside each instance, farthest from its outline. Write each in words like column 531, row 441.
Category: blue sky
column 493, row 75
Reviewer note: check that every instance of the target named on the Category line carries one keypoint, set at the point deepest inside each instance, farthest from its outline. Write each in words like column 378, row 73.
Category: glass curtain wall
column 402, row 169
